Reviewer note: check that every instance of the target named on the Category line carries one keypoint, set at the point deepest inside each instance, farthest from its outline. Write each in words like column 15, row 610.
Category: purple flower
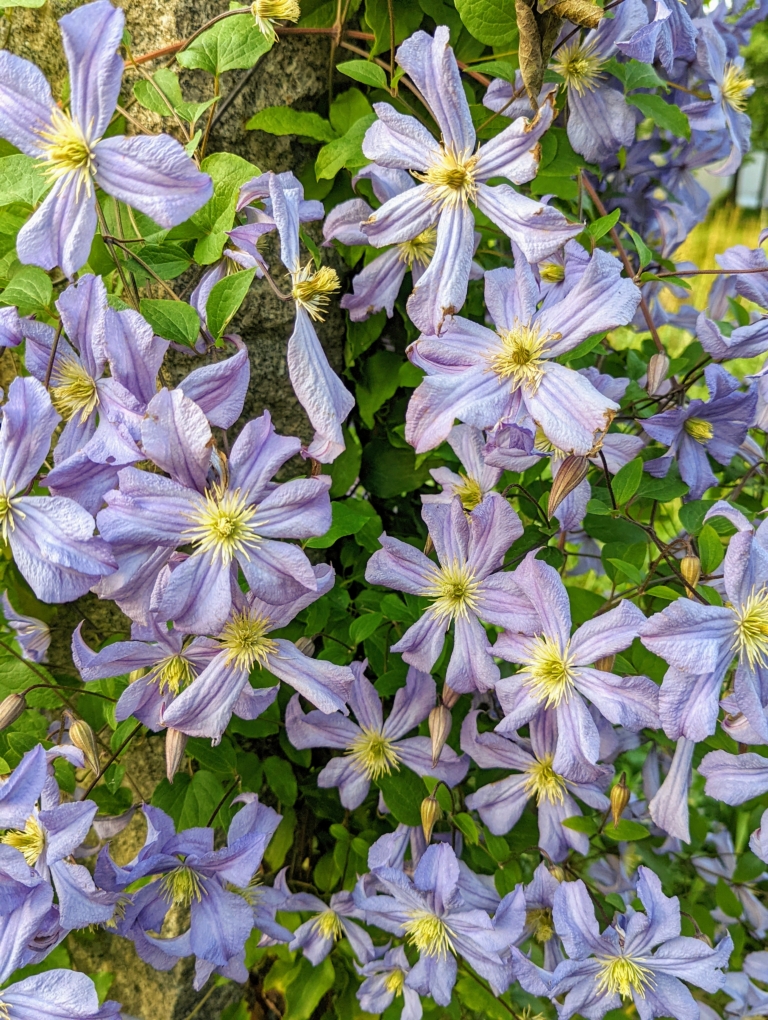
column 746, row 998
column 233, row 520
column 385, row 979
column 478, row 477
column 621, row 963
column 331, row 922
column 26, row 906
column 556, row 673
column 482, row 376
column 539, row 924
column 512, row 100
column 373, row 746
column 33, row 635
column 721, row 867
column 717, row 427
column 453, row 175
column 51, row 537
column 501, row 804
column 668, row 807
column 153, row 174
column 464, row 587
column 735, row 778
column 55, row 995
column 670, row 36
column 758, row 841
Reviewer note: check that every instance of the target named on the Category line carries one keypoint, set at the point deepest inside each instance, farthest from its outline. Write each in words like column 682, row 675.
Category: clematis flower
column 384, row 981
column 717, row 427
column 482, row 376
column 33, row 635
column 758, row 841
column 669, row 37
column 556, row 672
column 465, row 587
column 477, row 479
column 331, row 922
column 641, row 957
column 453, row 175
column 746, row 998
column 55, row 995
column 27, row 903
column 373, row 746
column 51, row 537
column 222, row 689
column 735, row 778
column 230, row 522
column 539, row 923
column 151, row 173
column 501, row 804
column 721, row 867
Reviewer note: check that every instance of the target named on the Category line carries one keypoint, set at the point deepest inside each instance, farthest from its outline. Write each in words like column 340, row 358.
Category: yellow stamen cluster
column 8, row 510
column 67, row 150
column 429, row 934
column 312, row 290
column 579, row 66
column 751, row 638
column 454, row 590
column 267, row 11
column 29, row 841
column 328, row 924
column 181, row 886
column 173, row 673
column 547, row 784
column 734, row 87
column 541, row 924
column 421, row 249
column 451, row 178
column 373, row 754
column 698, row 429
column 4, row 1011
column 222, row 524
column 550, row 672
column 470, row 492
column 551, row 272
column 73, row 390
column 395, row 981
column 521, row 355
column 621, row 975
column 244, row 638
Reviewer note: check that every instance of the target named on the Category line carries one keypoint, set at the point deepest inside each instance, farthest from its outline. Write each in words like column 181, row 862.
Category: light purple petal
column 60, row 232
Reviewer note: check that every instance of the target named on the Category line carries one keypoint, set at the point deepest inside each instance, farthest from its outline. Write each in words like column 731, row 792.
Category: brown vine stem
column 114, row 757
column 710, row 272
column 52, row 356
column 221, row 803
column 587, row 185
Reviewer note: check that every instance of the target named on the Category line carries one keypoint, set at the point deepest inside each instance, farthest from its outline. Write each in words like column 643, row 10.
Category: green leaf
column 466, row 824
column 301, row 983
column 281, row 780
column 711, row 549
column 364, row 71
column 492, row 22
column 626, row 831
column 190, row 801
column 348, row 517
column 641, row 76
column 580, row 823
column 30, row 290
column 403, row 793
column 168, row 260
column 22, row 179
column 663, row 591
column 345, row 470
column 663, row 114
column 748, row 868
column 220, row 759
column 364, row 626
column 282, row 120
column 235, row 42
column 174, row 320
column 408, row 17
column 598, row 228
column 228, row 173
column 727, row 900
column 225, row 299
column 344, row 152
column 380, row 382
column 498, row 68
column 626, row 481
column 496, row 846
column 692, row 514
column 387, row 471
column 643, row 251
column 628, row 569
column 347, row 108
column 149, row 94
column 663, row 489
column 360, row 336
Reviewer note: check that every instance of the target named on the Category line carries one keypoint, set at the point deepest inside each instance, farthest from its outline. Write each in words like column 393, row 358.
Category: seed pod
column 306, row 645
column 11, row 708
column 658, row 367
column 82, row 736
column 690, row 568
column 431, row 812
column 439, row 727
column 619, row 798
column 450, row 697
column 605, row 665
column 175, row 743
column 572, row 472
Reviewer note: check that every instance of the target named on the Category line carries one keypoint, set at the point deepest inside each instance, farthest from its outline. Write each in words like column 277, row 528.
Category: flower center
column 73, row 391
column 66, row 149
column 265, row 11
column 394, row 982
column 623, row 976
column 521, row 355
column 373, row 754
column 244, row 639
column 541, row 924
column 550, row 672
column 698, row 429
column 420, row 249
column 222, row 525
column 579, row 66
column 328, row 924
column 173, row 673
column 312, row 290
column 451, row 178
column 428, row 933
column 181, row 886
column 469, row 492
column 734, row 87
column 29, row 841
column 545, row 782
column 551, row 272
column 751, row 638
column 4, row 1011
column 8, row 510
column 454, row 591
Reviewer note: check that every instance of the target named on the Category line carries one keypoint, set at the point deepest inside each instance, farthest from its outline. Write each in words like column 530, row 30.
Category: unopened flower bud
column 605, row 664
column 439, row 727
column 315, row 468
column 619, row 798
column 11, row 708
column 429, row 545
column 431, row 812
column 557, row 872
column 658, row 367
column 175, row 742
column 306, row 645
column 572, row 473
column 690, row 568
column 82, row 736
column 450, row 697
